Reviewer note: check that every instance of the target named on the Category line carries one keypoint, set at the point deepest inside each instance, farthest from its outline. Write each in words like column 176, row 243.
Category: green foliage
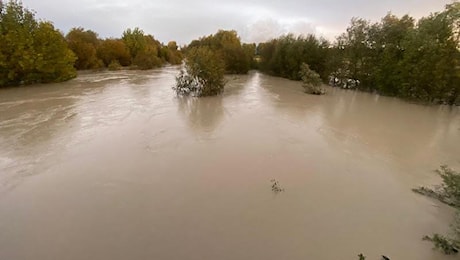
column 134, row 40
column 440, row 242
column 84, row 44
column 114, row 65
column 31, row 51
column 311, row 80
column 449, row 193
column 284, row 56
column 399, row 57
column 450, row 187
column 250, row 52
column 144, row 50
column 173, row 55
column 226, row 44
column 361, row 257
column 203, row 74
column 114, row 50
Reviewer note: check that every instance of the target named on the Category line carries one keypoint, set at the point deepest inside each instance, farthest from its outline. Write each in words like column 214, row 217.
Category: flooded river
column 114, row 165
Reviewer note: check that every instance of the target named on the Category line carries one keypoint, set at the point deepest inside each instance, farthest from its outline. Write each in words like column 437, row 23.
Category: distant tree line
column 396, row 56
column 135, row 48
column 33, row 51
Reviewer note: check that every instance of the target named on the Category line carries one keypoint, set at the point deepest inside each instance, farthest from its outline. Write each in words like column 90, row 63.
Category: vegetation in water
column 396, row 56
column 449, row 193
column 203, row 73
column 311, row 80
column 276, row 187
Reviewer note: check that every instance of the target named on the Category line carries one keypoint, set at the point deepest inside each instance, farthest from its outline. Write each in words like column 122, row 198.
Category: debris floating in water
column 276, row 188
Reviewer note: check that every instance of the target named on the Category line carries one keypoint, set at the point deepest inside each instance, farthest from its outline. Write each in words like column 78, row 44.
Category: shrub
column 311, row 81
column 449, row 193
column 202, row 75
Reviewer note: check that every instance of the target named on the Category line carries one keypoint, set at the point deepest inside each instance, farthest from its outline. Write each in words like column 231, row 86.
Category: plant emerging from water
column 311, row 80
column 276, row 188
column 202, row 75
column 449, row 193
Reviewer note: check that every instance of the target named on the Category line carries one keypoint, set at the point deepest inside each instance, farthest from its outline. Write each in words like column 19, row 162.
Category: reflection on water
column 113, row 165
column 203, row 114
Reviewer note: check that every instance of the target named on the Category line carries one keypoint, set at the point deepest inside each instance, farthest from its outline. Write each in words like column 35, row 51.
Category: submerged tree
column 203, row 73
column 31, row 51
column 311, row 80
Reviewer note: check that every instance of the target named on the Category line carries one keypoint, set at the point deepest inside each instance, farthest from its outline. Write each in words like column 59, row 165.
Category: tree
column 53, row 60
column 357, row 45
column 84, row 44
column 388, row 52
column 134, row 41
column 227, row 44
column 173, row 55
column 284, row 56
column 250, row 53
column 112, row 51
column 203, row 74
column 311, row 80
column 397, row 57
column 145, row 51
column 31, row 51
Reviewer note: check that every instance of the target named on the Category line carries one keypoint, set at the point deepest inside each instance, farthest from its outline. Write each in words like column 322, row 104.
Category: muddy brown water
column 113, row 165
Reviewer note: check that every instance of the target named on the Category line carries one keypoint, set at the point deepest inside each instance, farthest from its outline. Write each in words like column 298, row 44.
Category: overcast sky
column 254, row 20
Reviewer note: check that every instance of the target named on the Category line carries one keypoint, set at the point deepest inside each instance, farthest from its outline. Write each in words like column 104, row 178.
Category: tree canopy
column 84, row 44
column 203, row 73
column 31, row 51
column 227, row 45
column 399, row 57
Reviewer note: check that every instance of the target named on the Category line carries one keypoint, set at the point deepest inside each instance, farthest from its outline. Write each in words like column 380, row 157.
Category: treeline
column 33, row 51
column 396, row 56
column 134, row 48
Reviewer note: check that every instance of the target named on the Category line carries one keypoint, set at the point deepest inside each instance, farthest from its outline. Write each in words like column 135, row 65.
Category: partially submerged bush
column 446, row 245
column 311, row 81
column 202, row 75
column 449, row 193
